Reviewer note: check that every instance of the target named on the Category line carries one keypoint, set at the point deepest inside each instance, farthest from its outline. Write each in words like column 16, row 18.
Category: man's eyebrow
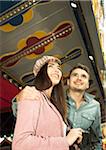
column 74, row 73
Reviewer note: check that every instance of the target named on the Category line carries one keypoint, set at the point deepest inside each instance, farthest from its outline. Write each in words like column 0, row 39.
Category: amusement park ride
column 32, row 28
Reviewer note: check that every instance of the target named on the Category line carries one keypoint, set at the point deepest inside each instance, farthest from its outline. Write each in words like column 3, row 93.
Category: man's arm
column 14, row 106
column 27, row 93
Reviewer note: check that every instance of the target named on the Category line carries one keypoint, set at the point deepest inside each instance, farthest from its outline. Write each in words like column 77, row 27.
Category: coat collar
column 55, row 110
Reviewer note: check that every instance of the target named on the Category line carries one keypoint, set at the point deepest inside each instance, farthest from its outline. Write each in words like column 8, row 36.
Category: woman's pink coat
column 39, row 126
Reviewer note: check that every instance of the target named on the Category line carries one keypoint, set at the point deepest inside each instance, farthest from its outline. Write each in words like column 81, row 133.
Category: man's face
column 79, row 80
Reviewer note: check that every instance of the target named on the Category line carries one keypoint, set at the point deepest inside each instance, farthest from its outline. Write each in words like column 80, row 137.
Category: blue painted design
column 15, row 19
column 5, row 6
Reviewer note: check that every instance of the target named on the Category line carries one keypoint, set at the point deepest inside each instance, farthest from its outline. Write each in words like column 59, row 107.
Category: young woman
column 40, row 123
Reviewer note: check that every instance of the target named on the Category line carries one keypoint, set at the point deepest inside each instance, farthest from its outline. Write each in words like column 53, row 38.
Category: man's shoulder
column 95, row 102
column 91, row 99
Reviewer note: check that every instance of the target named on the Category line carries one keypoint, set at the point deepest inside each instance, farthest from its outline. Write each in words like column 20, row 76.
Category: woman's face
column 54, row 72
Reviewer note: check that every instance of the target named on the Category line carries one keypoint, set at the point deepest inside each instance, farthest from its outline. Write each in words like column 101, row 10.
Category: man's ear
column 68, row 81
column 90, row 82
column 88, row 85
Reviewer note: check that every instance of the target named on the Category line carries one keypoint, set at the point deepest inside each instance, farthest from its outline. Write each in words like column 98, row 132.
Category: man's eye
column 84, row 76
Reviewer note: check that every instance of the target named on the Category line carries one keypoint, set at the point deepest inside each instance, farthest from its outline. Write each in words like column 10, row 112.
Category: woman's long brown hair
column 43, row 82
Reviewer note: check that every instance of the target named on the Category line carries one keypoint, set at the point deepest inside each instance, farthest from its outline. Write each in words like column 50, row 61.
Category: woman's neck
column 48, row 92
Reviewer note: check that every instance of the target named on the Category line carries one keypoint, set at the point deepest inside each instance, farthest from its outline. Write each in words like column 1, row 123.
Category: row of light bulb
column 5, row 76
column 9, row 138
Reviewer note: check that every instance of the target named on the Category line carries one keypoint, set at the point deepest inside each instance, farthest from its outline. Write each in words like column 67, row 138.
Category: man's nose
column 79, row 77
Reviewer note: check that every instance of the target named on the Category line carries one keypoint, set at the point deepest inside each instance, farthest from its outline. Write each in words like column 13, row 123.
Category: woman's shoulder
column 29, row 93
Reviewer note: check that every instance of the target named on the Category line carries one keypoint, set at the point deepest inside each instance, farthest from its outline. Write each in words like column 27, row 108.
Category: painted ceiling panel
column 40, row 28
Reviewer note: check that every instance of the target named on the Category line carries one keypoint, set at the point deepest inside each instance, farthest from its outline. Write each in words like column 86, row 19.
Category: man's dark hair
column 81, row 66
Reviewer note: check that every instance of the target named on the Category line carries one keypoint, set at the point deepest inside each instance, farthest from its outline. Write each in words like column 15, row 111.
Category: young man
column 83, row 110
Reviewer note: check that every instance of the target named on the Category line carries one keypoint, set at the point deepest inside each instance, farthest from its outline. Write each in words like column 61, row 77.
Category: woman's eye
column 60, row 69
column 50, row 65
column 74, row 74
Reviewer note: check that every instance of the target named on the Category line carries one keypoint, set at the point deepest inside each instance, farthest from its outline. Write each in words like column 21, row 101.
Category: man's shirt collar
column 87, row 97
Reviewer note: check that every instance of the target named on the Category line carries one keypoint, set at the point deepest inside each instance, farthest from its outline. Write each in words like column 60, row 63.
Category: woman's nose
column 56, row 70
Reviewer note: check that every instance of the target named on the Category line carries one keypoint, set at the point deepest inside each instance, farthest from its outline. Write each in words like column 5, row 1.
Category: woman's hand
column 73, row 135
